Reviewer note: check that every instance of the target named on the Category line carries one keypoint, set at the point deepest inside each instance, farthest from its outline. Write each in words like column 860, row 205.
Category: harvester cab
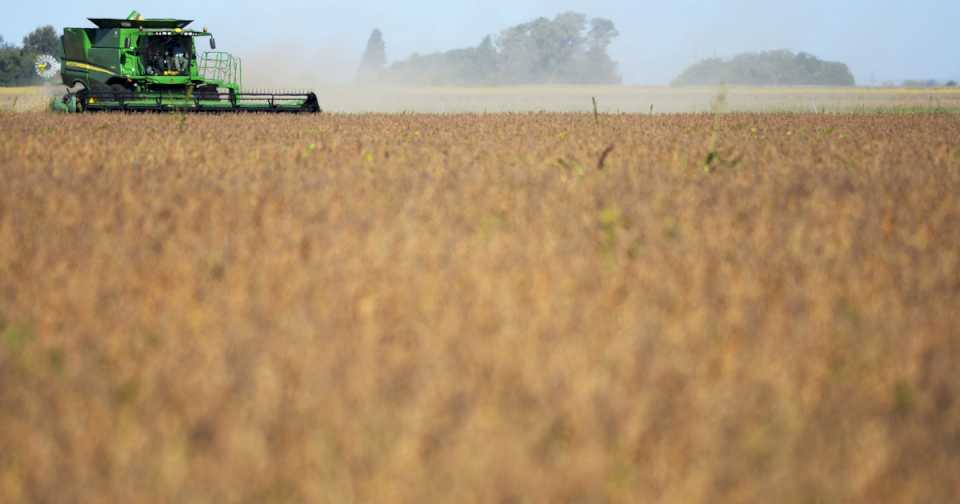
column 138, row 64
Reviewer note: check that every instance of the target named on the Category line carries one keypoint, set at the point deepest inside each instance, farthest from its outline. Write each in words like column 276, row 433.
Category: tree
column 563, row 47
column 602, row 33
column 914, row 83
column 543, row 50
column 599, row 67
column 374, row 58
column 518, row 53
column 487, row 61
column 951, row 83
column 43, row 40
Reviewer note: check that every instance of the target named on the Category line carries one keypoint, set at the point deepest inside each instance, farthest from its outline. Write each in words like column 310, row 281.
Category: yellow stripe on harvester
column 90, row 68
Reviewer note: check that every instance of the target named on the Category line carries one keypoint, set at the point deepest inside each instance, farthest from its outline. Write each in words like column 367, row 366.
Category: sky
column 881, row 40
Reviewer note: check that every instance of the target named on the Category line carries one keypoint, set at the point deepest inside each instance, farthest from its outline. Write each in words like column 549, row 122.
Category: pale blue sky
column 880, row 39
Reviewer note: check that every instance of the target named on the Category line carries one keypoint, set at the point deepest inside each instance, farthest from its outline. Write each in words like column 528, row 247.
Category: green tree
column 16, row 67
column 43, row 40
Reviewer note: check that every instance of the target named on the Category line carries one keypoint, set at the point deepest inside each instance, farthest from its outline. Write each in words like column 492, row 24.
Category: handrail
column 222, row 66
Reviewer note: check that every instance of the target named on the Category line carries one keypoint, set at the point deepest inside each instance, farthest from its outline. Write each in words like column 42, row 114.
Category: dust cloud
column 292, row 65
column 331, row 72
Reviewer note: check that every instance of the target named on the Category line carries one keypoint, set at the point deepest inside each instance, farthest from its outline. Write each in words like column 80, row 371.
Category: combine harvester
column 142, row 65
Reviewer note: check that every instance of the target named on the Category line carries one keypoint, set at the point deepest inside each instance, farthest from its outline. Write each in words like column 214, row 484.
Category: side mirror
column 213, row 43
column 126, row 43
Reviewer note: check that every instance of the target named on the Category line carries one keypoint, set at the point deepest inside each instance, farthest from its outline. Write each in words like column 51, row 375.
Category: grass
column 357, row 308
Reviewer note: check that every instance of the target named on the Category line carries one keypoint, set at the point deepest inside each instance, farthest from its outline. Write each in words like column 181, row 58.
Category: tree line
column 17, row 62
column 771, row 68
column 568, row 49
column 928, row 83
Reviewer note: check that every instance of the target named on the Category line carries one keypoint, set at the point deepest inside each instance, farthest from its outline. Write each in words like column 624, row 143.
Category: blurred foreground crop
column 480, row 308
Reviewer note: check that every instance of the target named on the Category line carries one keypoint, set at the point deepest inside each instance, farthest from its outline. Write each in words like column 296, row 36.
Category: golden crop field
column 480, row 308
column 27, row 99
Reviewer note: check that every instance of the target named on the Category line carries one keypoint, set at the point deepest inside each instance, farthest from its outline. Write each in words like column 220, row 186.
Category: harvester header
column 139, row 64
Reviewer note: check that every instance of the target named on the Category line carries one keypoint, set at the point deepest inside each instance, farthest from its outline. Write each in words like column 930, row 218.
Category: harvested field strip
column 611, row 99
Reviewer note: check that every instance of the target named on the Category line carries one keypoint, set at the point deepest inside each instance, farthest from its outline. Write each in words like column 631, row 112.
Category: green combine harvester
column 143, row 65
